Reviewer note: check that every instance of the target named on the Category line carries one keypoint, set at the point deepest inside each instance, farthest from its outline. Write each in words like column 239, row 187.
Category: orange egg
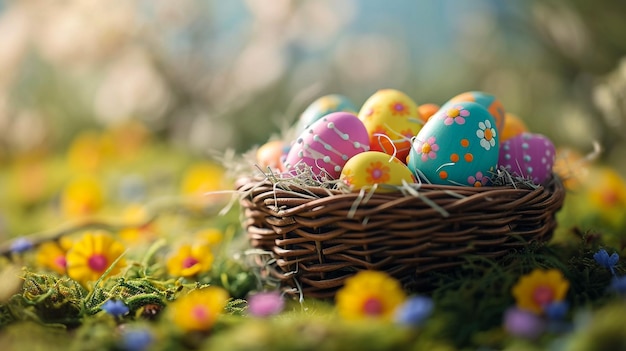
column 427, row 110
column 513, row 126
column 271, row 154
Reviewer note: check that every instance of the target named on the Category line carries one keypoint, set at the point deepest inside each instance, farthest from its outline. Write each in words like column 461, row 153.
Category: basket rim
column 252, row 186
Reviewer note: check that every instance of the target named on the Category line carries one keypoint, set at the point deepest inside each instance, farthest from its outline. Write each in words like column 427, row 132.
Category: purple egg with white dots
column 528, row 155
column 328, row 143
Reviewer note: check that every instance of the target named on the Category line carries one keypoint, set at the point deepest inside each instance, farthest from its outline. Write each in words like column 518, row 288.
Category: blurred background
column 227, row 74
column 203, row 77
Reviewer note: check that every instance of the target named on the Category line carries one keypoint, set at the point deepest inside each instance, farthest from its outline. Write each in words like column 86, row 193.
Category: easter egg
column 327, row 144
column 272, row 154
column 374, row 168
column 323, row 106
column 457, row 146
column 391, row 119
column 513, row 126
column 427, row 110
column 528, row 155
column 486, row 100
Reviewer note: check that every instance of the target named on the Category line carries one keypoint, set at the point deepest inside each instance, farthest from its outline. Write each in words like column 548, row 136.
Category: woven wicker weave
column 320, row 237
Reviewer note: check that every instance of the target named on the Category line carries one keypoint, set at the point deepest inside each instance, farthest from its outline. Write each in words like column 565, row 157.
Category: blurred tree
column 215, row 75
column 584, row 41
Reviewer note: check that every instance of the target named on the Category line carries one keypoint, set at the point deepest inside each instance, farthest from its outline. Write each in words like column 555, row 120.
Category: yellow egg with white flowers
column 370, row 169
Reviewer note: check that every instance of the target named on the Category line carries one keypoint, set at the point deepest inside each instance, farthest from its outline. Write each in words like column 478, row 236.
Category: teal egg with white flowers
column 458, row 145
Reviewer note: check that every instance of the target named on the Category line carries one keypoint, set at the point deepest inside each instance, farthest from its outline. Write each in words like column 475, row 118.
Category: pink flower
column 523, row 324
column 428, row 149
column 265, row 304
column 455, row 114
column 478, row 180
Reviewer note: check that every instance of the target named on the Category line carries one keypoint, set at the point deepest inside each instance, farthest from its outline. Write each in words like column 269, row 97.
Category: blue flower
column 115, row 308
column 606, row 261
column 556, row 310
column 414, row 311
column 132, row 189
column 21, row 244
column 618, row 285
column 137, row 340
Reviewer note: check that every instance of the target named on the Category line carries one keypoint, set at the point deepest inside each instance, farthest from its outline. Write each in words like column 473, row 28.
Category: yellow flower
column 198, row 310
column 92, row 255
column 83, row 196
column 29, row 179
column 51, row 255
column 190, row 260
column 202, row 178
column 129, row 138
column 604, row 198
column 607, row 189
column 369, row 294
column 211, row 236
column 88, row 151
column 139, row 230
column 534, row 291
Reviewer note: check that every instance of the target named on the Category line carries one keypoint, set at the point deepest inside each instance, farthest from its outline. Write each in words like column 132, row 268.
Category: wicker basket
column 319, row 237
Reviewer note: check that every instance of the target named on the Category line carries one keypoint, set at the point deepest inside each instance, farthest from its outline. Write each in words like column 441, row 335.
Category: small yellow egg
column 366, row 169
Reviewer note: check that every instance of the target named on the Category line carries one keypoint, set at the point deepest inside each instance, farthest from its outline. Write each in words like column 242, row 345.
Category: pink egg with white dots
column 528, row 155
column 327, row 144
